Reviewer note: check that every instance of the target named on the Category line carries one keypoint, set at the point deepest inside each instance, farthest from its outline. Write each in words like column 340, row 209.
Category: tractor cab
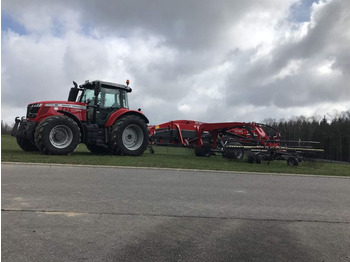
column 102, row 99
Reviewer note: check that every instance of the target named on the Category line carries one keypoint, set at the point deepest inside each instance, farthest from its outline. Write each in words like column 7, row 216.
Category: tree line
column 5, row 128
column 333, row 132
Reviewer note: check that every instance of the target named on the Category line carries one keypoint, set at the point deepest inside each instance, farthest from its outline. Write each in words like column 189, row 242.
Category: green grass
column 167, row 157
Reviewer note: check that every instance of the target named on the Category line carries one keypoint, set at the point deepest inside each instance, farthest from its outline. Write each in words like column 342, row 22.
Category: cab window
column 109, row 98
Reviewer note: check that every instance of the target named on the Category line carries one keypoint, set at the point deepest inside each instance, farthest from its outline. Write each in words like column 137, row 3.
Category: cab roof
column 92, row 84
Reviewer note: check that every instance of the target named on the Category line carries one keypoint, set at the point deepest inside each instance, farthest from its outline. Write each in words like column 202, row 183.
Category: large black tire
column 26, row 145
column 129, row 136
column 57, row 135
column 95, row 149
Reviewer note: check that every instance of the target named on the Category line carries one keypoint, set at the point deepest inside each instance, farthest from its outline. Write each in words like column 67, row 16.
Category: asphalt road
column 62, row 213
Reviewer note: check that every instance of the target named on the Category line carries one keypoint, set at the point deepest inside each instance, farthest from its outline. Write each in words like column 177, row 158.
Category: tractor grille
column 32, row 110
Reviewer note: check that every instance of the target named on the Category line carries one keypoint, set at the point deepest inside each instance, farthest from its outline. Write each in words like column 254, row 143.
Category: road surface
column 75, row 213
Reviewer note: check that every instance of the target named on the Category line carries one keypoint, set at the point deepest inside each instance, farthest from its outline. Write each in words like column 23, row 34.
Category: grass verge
column 164, row 157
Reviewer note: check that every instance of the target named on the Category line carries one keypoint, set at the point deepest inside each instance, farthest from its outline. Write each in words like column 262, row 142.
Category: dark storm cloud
column 183, row 24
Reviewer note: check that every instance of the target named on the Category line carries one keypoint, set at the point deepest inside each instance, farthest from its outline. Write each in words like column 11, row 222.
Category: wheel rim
column 61, row 136
column 132, row 137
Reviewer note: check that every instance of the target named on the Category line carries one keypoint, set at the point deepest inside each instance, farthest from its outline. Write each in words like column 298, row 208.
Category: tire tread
column 38, row 135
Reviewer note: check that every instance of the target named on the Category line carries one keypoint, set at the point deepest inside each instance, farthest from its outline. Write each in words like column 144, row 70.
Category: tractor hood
column 58, row 104
column 40, row 109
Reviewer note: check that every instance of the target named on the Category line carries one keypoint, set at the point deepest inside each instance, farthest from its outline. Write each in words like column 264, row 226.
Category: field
column 166, row 157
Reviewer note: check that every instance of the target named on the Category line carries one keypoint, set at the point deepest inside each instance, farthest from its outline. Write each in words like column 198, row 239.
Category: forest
column 332, row 131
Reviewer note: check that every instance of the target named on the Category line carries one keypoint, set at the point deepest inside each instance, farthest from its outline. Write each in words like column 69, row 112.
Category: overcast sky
column 203, row 60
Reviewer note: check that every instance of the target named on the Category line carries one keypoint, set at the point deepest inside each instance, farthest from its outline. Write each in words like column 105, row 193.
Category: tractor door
column 88, row 97
column 110, row 100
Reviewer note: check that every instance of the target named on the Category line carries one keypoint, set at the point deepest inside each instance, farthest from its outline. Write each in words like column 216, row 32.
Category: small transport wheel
column 292, row 161
column 129, row 136
column 57, row 135
column 229, row 154
column 254, row 158
column 239, row 153
column 251, row 158
column 258, row 159
column 96, row 149
column 25, row 144
column 233, row 151
column 202, row 151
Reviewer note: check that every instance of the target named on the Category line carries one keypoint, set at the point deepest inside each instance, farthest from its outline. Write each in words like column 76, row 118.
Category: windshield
column 88, row 95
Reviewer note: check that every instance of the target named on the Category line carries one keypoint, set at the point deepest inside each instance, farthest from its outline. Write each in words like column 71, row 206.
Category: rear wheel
column 57, row 135
column 129, row 136
column 25, row 144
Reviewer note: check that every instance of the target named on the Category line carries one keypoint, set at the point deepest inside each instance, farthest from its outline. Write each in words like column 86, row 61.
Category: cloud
column 293, row 74
column 207, row 61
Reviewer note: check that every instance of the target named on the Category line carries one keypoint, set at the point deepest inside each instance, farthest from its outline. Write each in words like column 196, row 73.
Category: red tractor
column 96, row 113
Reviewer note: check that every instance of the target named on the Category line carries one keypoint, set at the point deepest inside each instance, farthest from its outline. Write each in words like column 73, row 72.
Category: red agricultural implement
column 231, row 139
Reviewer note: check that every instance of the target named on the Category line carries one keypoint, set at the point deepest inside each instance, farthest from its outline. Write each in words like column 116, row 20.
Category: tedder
column 96, row 113
column 232, row 140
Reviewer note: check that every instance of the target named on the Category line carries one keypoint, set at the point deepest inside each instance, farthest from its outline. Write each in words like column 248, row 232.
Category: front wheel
column 129, row 136
column 25, row 144
column 57, row 135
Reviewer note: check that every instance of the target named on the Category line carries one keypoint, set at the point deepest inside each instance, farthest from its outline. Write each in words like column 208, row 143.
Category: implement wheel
column 251, row 158
column 258, row 159
column 202, row 151
column 129, row 136
column 254, row 158
column 292, row 161
column 57, row 135
column 233, row 151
